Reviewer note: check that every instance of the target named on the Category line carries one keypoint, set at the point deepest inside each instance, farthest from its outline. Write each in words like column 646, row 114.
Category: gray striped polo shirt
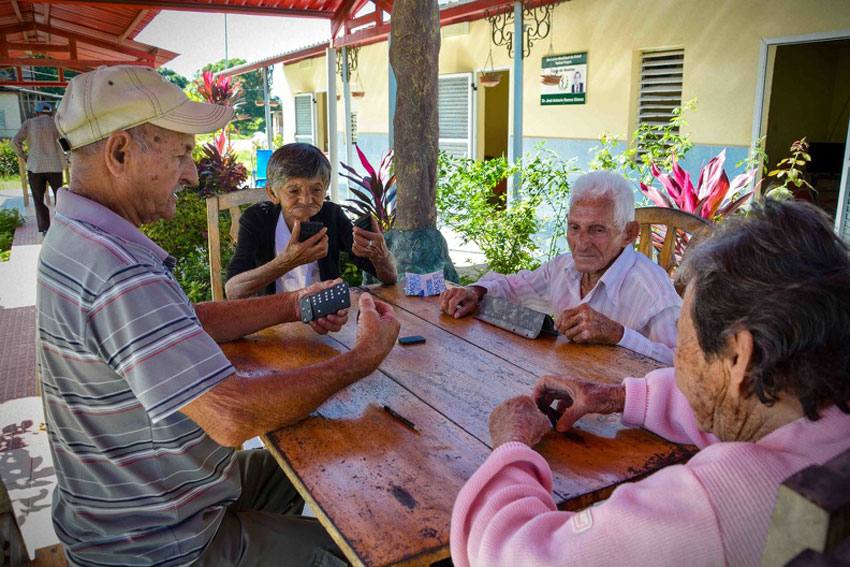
column 120, row 351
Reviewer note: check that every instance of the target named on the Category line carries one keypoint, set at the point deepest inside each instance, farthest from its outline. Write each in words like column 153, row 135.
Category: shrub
column 185, row 237
column 508, row 236
column 8, row 159
column 10, row 219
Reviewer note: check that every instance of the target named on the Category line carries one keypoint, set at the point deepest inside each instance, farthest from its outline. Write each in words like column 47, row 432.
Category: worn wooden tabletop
column 384, row 491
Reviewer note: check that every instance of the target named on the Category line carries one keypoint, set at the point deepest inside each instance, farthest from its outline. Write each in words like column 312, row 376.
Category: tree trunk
column 414, row 55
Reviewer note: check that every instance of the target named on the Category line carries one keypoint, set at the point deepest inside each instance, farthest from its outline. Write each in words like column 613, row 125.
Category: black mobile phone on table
column 411, row 340
column 308, row 229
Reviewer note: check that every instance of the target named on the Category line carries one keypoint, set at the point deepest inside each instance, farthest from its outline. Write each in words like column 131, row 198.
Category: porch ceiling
column 76, row 36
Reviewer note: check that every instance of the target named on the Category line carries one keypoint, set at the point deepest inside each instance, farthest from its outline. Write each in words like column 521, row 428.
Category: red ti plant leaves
column 709, row 200
column 657, row 197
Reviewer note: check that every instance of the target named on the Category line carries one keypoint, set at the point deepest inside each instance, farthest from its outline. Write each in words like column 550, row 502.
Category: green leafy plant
column 507, row 235
column 10, row 219
column 789, row 172
column 219, row 171
column 8, row 160
column 649, row 144
column 377, row 193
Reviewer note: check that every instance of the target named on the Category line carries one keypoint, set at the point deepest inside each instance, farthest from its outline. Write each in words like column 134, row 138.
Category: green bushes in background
column 8, row 159
column 10, row 219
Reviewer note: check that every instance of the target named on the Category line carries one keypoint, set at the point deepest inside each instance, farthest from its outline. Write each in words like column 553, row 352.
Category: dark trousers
column 262, row 527
column 38, row 185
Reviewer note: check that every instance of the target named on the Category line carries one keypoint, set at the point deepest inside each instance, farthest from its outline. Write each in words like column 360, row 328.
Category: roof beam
column 81, row 38
column 4, row 83
column 340, row 17
column 190, row 6
column 66, row 63
column 17, row 10
column 38, row 47
column 139, row 17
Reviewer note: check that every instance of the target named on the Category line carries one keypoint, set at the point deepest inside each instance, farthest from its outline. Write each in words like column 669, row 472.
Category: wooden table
column 385, row 492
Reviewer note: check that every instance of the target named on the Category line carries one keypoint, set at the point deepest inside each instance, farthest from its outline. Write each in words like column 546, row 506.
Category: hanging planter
column 358, row 94
column 489, row 79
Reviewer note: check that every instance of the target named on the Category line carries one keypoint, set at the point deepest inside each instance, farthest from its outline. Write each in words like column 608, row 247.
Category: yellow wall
column 721, row 39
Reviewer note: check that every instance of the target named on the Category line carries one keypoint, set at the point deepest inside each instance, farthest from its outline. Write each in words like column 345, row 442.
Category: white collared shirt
column 633, row 291
column 299, row 277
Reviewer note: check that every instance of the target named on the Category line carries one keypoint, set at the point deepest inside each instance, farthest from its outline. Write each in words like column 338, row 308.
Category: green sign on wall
column 570, row 71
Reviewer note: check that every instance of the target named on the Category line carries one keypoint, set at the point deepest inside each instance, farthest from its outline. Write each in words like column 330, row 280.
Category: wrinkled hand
column 377, row 330
column 460, row 301
column 334, row 321
column 368, row 244
column 517, row 419
column 583, row 324
column 577, row 398
column 299, row 253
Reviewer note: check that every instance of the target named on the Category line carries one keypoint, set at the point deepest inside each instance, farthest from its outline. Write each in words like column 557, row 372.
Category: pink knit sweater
column 715, row 510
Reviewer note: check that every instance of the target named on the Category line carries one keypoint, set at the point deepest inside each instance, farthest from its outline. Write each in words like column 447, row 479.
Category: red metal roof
column 74, row 36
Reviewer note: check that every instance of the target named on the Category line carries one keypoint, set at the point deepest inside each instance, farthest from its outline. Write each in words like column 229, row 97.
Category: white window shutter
column 660, row 86
column 454, row 100
column 304, row 119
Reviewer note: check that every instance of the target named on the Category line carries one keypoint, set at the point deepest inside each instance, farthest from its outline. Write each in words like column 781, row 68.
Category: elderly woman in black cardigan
column 270, row 258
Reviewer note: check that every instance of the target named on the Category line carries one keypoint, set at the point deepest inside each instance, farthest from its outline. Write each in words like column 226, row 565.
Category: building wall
column 11, row 114
column 721, row 40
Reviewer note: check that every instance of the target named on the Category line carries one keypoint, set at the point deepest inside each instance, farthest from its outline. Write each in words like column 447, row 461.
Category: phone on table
column 308, row 229
column 411, row 340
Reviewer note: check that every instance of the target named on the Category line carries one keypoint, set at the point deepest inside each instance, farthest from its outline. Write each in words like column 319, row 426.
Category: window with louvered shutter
column 454, row 100
column 660, row 86
column 354, row 127
column 304, row 118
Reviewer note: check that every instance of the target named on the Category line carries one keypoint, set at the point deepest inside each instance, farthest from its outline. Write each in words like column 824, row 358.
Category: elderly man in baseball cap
column 143, row 409
column 44, row 158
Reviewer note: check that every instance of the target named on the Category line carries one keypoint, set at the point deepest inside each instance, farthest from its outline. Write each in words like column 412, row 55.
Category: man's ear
column 737, row 358
column 116, row 152
column 631, row 233
column 272, row 193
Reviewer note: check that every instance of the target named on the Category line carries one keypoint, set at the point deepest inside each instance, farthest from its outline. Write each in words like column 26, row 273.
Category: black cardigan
column 255, row 245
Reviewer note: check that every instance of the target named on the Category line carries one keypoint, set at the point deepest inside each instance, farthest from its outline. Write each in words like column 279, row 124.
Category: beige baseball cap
column 109, row 99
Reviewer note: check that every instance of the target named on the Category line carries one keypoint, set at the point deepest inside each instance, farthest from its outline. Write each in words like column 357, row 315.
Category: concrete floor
column 25, row 464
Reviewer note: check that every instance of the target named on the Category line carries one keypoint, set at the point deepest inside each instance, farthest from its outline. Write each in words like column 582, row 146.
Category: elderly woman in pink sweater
column 761, row 385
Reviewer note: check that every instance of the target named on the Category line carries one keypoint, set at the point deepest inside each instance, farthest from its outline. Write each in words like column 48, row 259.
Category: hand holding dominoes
column 324, row 306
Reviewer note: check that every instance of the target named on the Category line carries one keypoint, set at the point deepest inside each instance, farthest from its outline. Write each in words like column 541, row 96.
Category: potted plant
column 377, row 193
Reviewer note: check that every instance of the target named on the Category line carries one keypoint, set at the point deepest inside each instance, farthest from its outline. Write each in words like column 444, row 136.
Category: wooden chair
column 216, row 204
column 676, row 223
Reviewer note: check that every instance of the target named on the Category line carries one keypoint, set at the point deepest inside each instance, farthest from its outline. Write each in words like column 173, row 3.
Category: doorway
column 810, row 97
column 496, row 102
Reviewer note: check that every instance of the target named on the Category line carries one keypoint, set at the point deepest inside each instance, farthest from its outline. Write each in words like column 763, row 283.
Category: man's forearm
column 243, row 407
column 229, row 320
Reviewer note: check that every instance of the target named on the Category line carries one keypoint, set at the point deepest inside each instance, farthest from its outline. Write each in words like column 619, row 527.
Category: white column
column 333, row 149
column 346, row 107
column 269, row 136
column 516, row 146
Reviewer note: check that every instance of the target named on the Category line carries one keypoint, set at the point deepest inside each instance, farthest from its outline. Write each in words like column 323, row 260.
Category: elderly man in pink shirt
column 602, row 291
column 760, row 384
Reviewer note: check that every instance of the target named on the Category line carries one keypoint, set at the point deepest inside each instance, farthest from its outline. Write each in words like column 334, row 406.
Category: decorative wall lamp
column 352, row 56
column 538, row 18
